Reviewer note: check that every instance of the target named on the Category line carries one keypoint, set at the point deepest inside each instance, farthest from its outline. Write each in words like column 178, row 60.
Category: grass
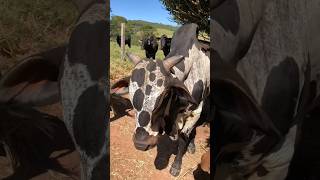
column 31, row 26
column 121, row 68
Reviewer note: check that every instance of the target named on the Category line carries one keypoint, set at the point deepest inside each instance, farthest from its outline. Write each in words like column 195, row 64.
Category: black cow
column 264, row 57
column 165, row 44
column 150, row 45
column 126, row 41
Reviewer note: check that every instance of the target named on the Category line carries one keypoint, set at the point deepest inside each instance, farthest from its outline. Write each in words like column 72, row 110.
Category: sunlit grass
column 121, row 68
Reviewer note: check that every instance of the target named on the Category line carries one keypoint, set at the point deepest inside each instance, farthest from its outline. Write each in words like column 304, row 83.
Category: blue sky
column 148, row 10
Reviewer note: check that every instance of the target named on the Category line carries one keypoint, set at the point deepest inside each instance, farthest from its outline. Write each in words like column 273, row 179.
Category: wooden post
column 122, row 41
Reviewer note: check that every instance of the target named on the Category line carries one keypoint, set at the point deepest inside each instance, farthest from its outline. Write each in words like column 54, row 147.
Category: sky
column 147, row 10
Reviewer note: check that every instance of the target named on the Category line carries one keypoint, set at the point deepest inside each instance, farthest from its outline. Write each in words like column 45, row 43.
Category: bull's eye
column 161, row 131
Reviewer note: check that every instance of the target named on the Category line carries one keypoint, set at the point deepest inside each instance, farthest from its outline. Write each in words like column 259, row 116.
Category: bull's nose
column 143, row 143
column 141, row 147
column 139, row 143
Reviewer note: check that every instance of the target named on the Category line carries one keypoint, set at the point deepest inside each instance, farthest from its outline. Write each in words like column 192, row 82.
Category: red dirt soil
column 129, row 163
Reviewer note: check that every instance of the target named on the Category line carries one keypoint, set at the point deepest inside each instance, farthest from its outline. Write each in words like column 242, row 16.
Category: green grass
column 121, row 68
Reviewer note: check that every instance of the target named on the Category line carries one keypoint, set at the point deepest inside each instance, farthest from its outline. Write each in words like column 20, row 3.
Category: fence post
column 122, row 41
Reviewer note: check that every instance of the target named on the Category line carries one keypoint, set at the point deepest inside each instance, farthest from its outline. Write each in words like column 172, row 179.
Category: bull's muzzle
column 144, row 142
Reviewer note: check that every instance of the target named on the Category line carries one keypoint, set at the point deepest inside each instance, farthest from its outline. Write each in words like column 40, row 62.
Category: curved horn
column 135, row 59
column 171, row 61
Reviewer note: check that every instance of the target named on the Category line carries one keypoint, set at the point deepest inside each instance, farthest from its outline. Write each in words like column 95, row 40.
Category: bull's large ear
column 171, row 61
column 124, row 82
column 34, row 81
column 121, row 87
column 134, row 58
column 239, row 116
column 181, row 90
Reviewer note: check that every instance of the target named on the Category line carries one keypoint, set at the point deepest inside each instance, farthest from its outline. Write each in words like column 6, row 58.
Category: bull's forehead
column 146, row 85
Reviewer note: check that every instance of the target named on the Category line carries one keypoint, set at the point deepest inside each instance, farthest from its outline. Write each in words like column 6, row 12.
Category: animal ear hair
column 181, row 90
column 230, row 97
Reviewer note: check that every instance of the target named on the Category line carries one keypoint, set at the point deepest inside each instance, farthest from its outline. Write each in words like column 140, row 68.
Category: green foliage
column 190, row 11
column 31, row 25
column 145, row 31
column 115, row 25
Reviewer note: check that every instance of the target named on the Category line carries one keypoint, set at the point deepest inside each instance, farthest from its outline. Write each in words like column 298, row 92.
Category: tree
column 190, row 11
column 115, row 25
column 147, row 30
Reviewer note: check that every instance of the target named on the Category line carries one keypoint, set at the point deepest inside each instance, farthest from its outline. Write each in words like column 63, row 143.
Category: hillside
column 155, row 25
column 138, row 29
column 160, row 29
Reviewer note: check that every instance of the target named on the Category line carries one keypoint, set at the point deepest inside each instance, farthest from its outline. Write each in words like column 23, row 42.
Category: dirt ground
column 129, row 163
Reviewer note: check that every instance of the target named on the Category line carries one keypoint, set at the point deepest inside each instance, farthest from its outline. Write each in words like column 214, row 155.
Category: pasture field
column 121, row 68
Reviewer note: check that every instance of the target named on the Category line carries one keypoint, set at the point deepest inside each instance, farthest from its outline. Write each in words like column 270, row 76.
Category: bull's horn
column 171, row 61
column 135, row 59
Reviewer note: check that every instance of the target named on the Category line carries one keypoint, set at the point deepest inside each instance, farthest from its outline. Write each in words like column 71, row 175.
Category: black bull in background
column 126, row 41
column 150, row 45
column 264, row 76
column 165, row 44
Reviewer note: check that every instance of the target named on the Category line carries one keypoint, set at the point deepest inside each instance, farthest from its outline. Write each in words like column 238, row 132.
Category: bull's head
column 158, row 98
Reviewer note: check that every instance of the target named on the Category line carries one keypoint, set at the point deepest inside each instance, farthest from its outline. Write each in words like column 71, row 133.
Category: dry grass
column 31, row 26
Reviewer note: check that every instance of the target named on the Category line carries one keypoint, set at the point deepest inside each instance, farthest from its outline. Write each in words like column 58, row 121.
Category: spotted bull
column 264, row 60
column 84, row 95
column 168, row 95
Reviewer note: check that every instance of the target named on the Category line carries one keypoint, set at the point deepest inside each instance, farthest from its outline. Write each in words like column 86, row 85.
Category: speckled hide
column 84, row 91
column 170, row 98
column 265, row 56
